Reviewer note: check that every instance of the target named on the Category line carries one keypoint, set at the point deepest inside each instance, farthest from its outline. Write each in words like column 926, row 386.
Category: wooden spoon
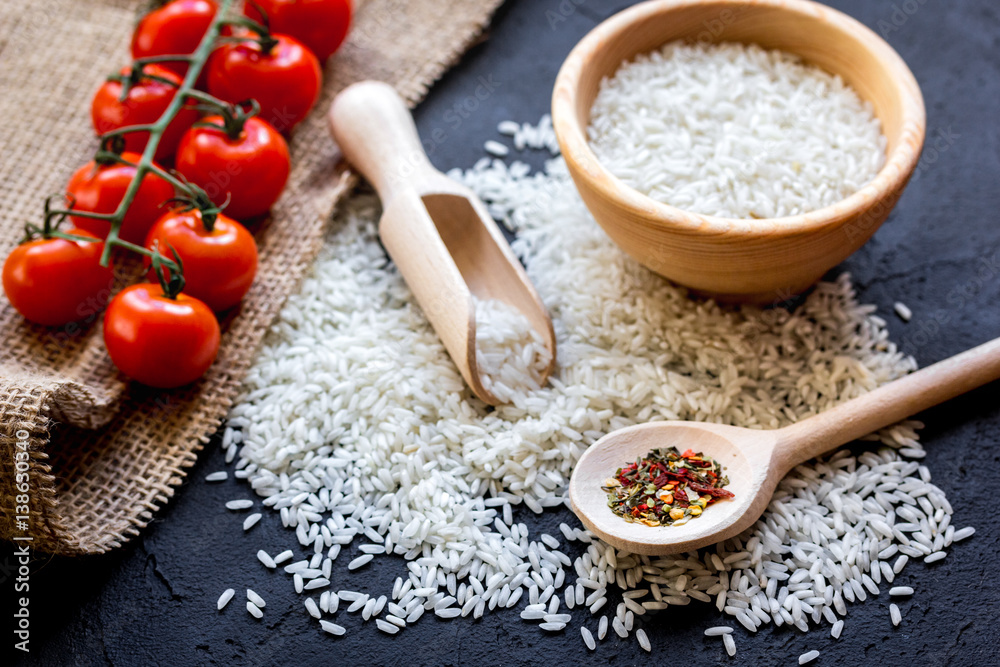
column 756, row 460
column 438, row 233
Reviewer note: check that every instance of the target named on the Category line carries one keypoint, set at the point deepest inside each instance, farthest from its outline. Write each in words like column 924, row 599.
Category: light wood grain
column 734, row 259
column 439, row 234
column 756, row 460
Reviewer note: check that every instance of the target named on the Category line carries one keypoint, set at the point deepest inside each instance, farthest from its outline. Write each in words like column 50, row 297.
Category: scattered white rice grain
column 730, row 644
column 899, row 591
column 251, row 521
column 496, row 149
column 333, row 628
column 220, row 476
column 619, row 628
column 312, row 608
column 837, row 628
column 935, row 557
column 254, row 610
column 508, row 128
column 588, row 638
column 266, row 559
column 894, row 614
column 283, row 556
column 602, row 628
column 808, row 657
column 224, row 599
column 360, row 561
column 319, row 582
column 718, row 630
column 640, row 634
column 239, row 504
column 903, row 311
column 963, row 533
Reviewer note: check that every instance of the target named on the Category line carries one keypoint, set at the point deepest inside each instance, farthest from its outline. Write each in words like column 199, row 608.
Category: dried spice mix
column 666, row 487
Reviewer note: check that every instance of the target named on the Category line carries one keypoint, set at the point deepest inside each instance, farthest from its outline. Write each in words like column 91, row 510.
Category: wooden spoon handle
column 376, row 133
column 889, row 404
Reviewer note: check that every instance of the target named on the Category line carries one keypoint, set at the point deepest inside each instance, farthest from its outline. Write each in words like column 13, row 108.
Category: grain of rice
column 319, row 582
column 837, row 628
column 264, row 558
column 283, row 556
column 602, row 628
column 254, row 610
column 894, row 614
column 899, row 591
column 312, row 608
column 718, row 630
column 552, row 627
column 935, row 557
column 251, row 521
column 333, row 628
column 640, row 634
column 360, row 561
column 730, row 644
column 903, row 311
column 224, row 599
column 220, row 476
column 239, row 504
column 808, row 657
column 963, row 533
column 495, row 148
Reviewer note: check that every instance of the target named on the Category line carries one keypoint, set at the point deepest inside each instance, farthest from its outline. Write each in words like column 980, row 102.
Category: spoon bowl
column 756, row 460
column 744, row 454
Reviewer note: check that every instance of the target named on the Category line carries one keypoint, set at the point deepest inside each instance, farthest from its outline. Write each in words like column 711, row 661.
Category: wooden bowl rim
column 890, row 179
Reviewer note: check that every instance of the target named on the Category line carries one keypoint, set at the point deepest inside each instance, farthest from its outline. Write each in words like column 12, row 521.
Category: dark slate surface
column 153, row 602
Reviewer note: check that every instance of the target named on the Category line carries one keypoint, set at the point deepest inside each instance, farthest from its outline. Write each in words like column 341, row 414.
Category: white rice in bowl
column 735, row 131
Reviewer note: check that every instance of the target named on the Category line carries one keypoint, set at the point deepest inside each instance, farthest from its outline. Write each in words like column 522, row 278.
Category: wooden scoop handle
column 890, row 403
column 375, row 131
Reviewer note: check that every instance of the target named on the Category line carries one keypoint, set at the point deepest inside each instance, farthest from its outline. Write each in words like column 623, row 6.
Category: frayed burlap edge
column 90, row 488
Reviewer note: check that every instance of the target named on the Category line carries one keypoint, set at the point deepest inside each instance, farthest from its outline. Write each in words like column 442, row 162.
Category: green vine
column 111, row 148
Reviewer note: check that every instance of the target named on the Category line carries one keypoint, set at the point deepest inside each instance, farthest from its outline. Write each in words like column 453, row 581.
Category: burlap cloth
column 106, row 454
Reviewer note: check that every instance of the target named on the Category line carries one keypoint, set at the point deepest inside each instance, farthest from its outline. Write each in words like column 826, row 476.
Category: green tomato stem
column 145, row 165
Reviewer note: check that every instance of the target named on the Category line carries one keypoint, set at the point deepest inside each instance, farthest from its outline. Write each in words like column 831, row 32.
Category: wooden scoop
column 438, row 233
column 755, row 461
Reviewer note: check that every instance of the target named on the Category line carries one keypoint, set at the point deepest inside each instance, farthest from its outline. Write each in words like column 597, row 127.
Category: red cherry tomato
column 145, row 103
column 100, row 189
column 57, row 281
column 251, row 168
column 159, row 341
column 284, row 79
column 321, row 25
column 176, row 28
column 219, row 265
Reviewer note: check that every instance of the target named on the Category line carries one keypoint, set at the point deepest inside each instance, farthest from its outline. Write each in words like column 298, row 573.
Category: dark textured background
column 153, row 602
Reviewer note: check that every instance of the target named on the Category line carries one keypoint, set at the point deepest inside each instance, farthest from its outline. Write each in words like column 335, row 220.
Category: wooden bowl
column 742, row 260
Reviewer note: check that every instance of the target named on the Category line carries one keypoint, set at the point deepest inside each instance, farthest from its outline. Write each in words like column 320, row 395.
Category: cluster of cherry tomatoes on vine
column 186, row 159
